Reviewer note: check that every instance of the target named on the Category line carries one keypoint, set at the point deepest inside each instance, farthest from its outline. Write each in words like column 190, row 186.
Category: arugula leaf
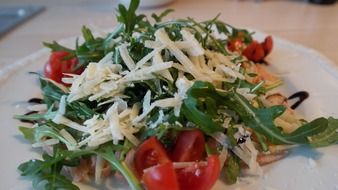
column 327, row 137
column 45, row 179
column 222, row 28
column 158, row 18
column 54, row 46
column 232, row 169
column 192, row 113
column 262, row 141
column 107, row 152
column 215, row 43
column 92, row 50
column 170, row 85
column 309, row 129
column 46, row 131
column 51, row 93
column 37, row 116
column 28, row 133
column 160, row 131
column 259, row 119
column 107, row 43
column 46, row 172
column 230, row 133
column 79, row 111
column 87, row 34
column 137, row 51
column 241, row 33
column 128, row 16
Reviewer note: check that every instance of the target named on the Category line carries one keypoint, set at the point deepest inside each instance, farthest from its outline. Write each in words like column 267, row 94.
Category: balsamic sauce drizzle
column 32, row 101
column 35, row 100
column 301, row 95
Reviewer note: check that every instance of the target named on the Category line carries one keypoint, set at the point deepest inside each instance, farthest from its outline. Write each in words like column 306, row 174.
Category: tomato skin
column 189, row 146
column 235, row 45
column 161, row 177
column 267, row 45
column 151, row 152
column 59, row 64
column 197, row 177
column 157, row 171
column 254, row 52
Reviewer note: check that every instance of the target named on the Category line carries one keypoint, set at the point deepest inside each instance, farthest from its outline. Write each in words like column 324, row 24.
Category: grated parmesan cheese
column 126, row 57
column 62, row 105
column 71, row 145
column 163, row 37
column 196, row 49
column 113, row 118
column 158, row 121
column 245, row 92
column 48, row 142
column 38, row 107
column 60, row 119
column 98, row 169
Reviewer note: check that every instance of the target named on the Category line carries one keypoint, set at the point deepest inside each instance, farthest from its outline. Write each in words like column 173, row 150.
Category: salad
column 165, row 104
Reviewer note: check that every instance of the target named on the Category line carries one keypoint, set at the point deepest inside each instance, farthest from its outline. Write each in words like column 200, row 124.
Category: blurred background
column 311, row 24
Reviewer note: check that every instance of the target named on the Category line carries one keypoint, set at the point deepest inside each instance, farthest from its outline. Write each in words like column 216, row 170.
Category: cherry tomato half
column 267, row 45
column 254, row 52
column 235, row 45
column 58, row 64
column 151, row 152
column 161, row 177
column 189, row 146
column 198, row 176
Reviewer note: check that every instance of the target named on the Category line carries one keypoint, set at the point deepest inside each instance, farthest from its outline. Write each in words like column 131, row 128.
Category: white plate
column 299, row 67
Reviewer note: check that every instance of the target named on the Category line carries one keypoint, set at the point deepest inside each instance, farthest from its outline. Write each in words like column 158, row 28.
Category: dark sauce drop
column 301, row 95
column 28, row 121
column 242, row 139
column 35, row 100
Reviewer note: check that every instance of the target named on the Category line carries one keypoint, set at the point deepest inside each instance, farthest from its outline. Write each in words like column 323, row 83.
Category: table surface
column 314, row 26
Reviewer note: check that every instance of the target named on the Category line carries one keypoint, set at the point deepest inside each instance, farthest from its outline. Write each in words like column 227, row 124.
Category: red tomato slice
column 267, row 45
column 161, row 177
column 58, row 64
column 189, row 146
column 235, row 45
column 254, row 52
column 198, row 176
column 151, row 152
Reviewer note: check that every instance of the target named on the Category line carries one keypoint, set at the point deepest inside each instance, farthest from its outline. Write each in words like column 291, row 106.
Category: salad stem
column 133, row 182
